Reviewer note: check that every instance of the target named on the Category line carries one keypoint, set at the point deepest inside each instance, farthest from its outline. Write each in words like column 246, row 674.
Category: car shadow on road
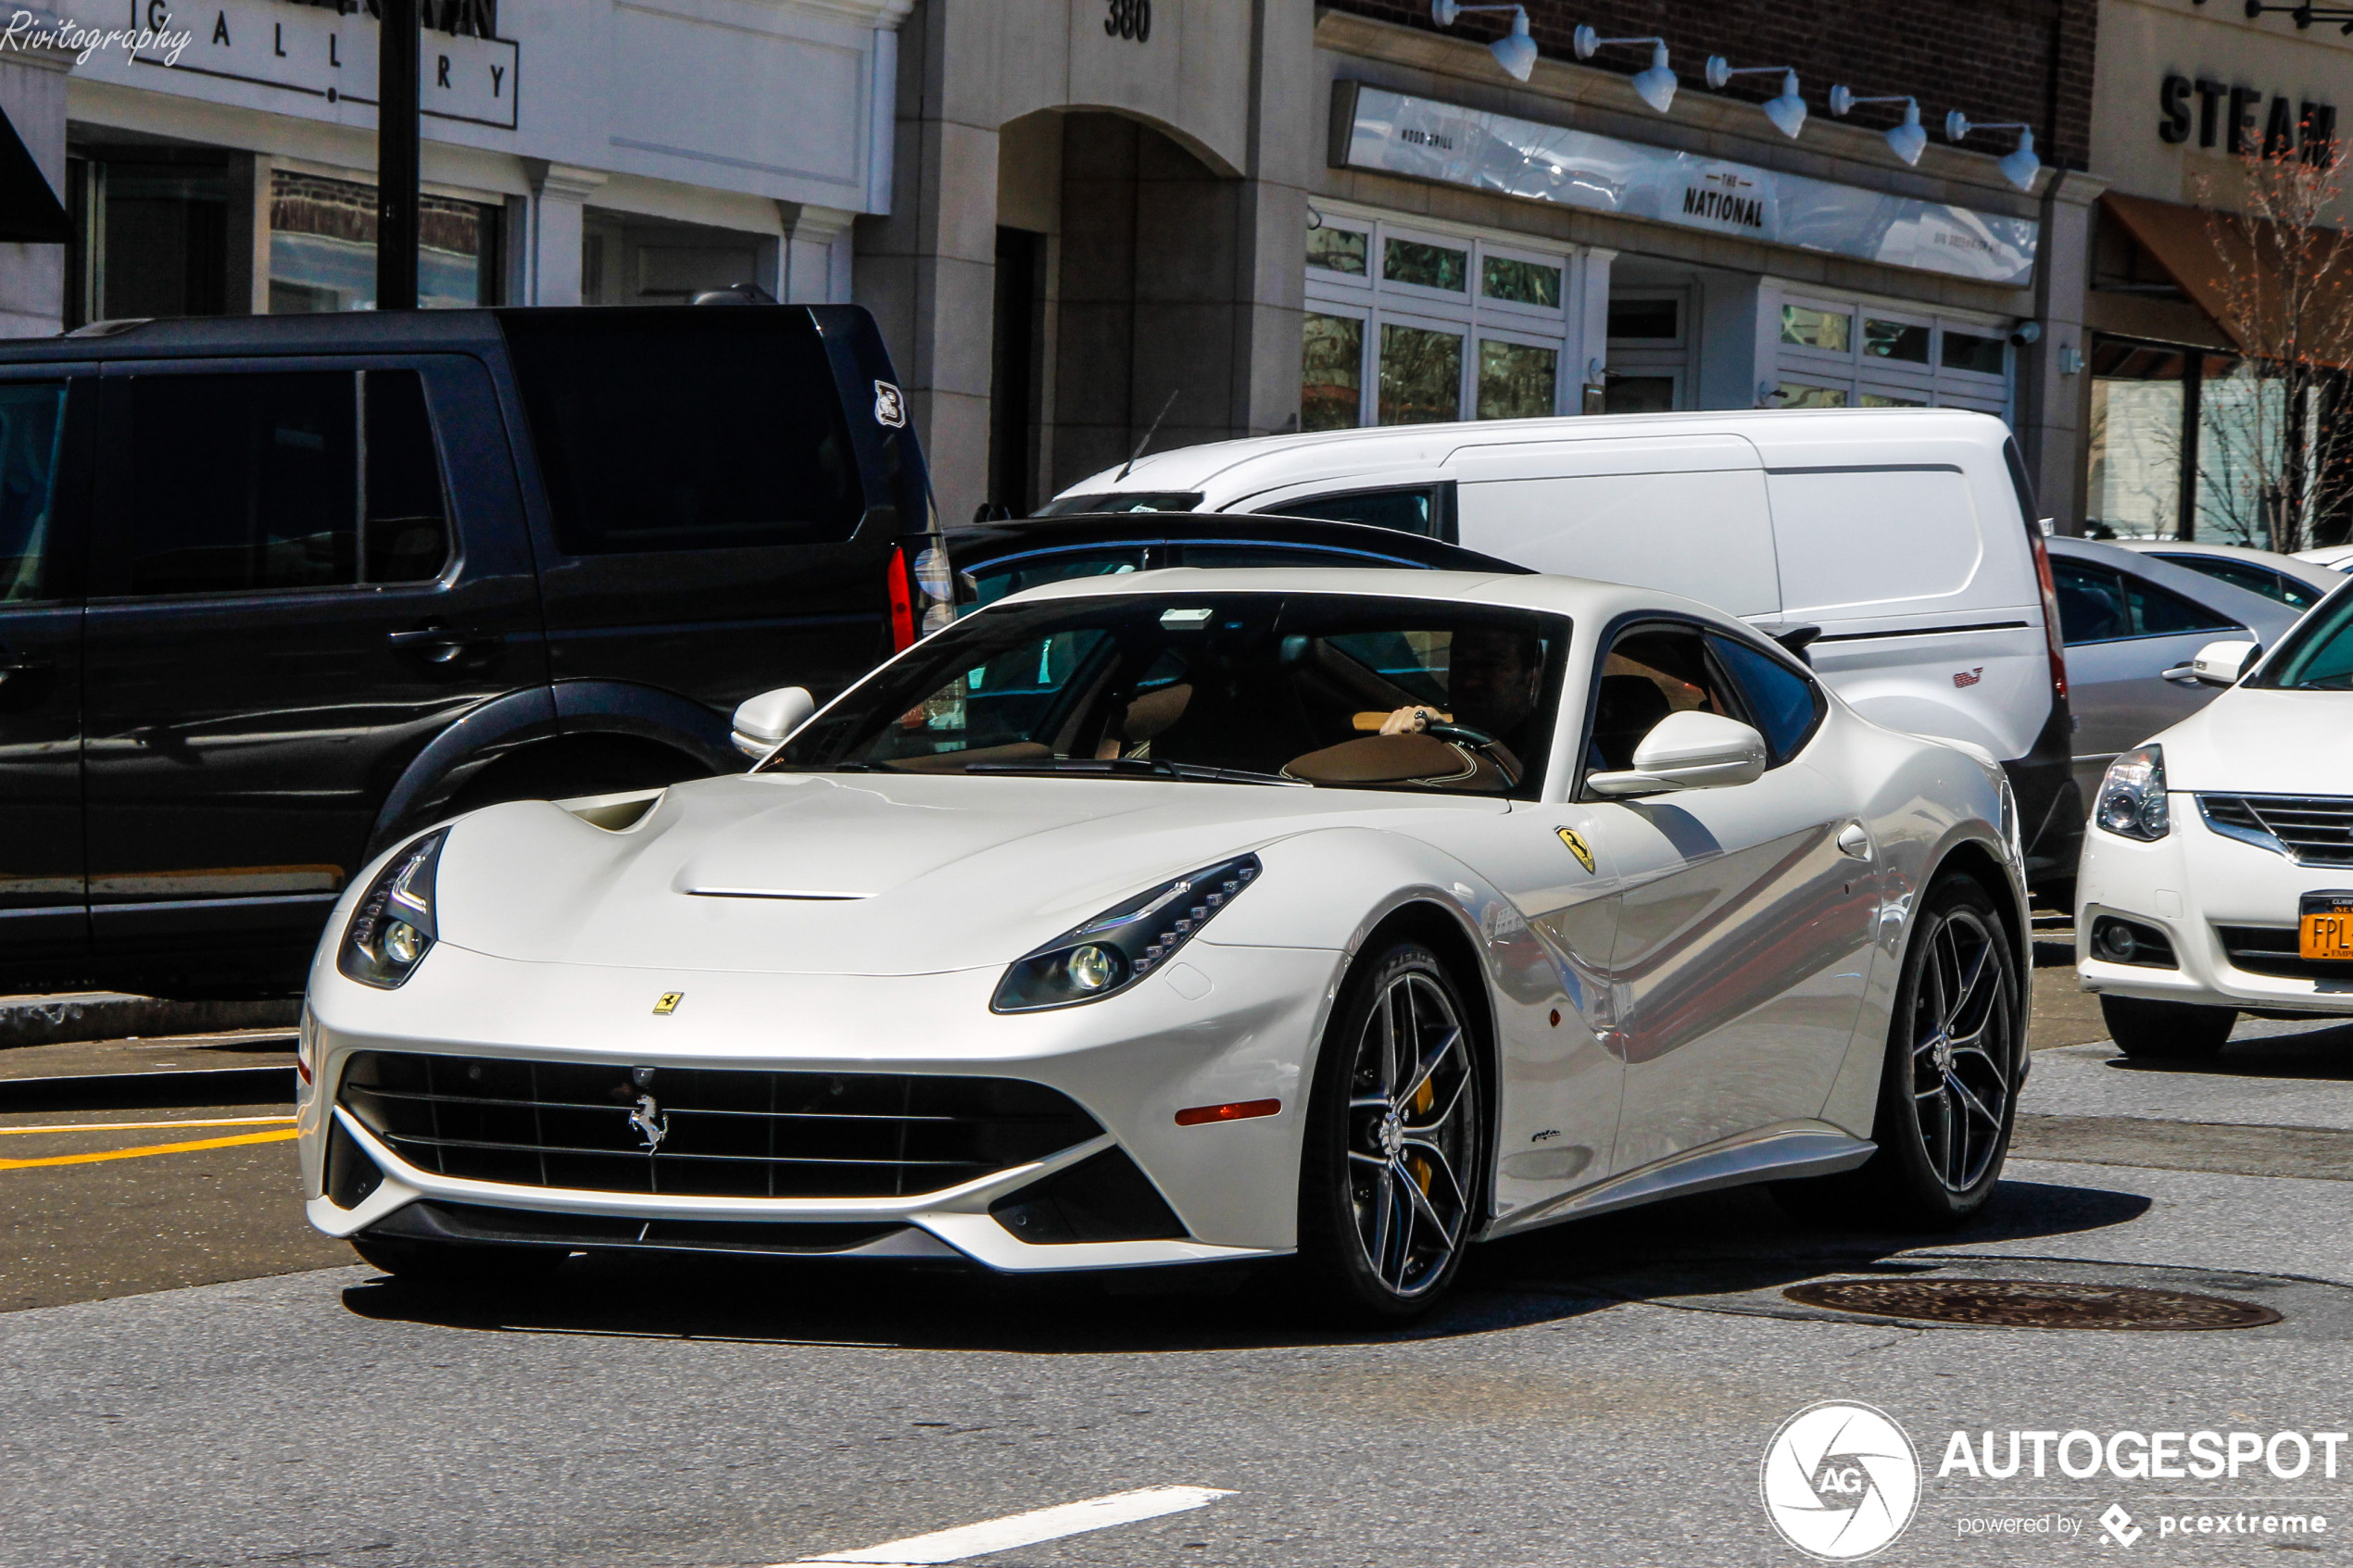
column 1725, row 1241
column 2308, row 1053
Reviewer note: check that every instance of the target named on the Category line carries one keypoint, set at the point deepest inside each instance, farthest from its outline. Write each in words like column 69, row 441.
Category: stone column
column 818, row 247
column 559, row 195
column 1589, row 320
column 2051, row 374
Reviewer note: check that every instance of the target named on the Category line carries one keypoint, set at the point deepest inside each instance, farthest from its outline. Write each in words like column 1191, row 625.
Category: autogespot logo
column 1840, row 1481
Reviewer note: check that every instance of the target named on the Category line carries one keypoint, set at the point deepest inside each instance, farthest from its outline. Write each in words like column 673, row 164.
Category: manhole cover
column 2019, row 1303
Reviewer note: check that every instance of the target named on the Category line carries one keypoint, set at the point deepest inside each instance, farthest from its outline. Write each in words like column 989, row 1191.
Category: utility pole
column 398, row 65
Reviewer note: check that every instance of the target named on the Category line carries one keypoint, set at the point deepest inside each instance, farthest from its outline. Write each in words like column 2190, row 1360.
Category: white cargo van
column 1908, row 536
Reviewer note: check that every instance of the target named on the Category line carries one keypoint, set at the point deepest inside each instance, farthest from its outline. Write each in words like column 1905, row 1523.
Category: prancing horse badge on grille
column 649, row 1122
column 669, row 1003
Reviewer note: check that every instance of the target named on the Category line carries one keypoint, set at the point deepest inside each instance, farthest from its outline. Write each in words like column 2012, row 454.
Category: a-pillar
column 558, row 201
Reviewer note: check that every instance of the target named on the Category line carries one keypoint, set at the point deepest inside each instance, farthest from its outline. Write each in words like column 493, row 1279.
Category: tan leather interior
column 1396, row 759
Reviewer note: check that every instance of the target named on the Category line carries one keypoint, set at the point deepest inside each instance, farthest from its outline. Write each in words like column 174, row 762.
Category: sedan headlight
column 2133, row 795
column 1125, row 942
column 394, row 927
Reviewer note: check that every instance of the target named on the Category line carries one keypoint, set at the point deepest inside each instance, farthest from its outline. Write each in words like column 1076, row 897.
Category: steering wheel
column 1465, row 734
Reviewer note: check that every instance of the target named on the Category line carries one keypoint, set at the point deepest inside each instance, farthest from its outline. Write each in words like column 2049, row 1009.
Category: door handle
column 1853, row 839
column 441, row 645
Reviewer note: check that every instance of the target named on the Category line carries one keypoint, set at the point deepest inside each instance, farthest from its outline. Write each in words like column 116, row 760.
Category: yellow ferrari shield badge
column 670, row 999
column 1576, row 847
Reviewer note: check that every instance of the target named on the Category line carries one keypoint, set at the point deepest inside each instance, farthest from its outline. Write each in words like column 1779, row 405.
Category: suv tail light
column 901, row 587
column 2050, row 614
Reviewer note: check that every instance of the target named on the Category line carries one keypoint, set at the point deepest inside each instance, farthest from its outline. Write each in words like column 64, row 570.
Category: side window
column 1212, row 556
column 2158, row 612
column 1783, row 705
column 996, row 580
column 242, row 482
column 1408, row 511
column 2090, row 603
column 405, row 532
column 32, row 418
column 1649, row 673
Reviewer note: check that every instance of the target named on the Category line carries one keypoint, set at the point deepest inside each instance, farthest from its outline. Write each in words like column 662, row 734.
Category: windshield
column 2318, row 654
column 1238, row 687
column 1123, row 501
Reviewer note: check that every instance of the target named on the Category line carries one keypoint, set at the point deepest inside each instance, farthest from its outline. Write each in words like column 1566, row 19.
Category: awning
column 2204, row 252
column 29, row 211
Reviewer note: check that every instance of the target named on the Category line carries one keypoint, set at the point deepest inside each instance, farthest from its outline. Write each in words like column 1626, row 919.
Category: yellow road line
column 280, row 1135
column 110, row 1126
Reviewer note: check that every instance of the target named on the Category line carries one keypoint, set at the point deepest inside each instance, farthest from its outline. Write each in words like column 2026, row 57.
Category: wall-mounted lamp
column 1906, row 141
column 2019, row 168
column 1654, row 86
column 1787, row 112
column 2070, row 359
column 1515, row 52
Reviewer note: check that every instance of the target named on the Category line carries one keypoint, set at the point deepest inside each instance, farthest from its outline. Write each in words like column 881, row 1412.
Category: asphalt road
column 1601, row 1392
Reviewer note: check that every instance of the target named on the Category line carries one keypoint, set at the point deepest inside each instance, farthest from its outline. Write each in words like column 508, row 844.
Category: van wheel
column 2166, row 1030
column 1947, row 1091
column 1390, row 1184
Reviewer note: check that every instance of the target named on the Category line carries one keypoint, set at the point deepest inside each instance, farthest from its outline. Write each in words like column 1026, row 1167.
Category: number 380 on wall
column 1128, row 19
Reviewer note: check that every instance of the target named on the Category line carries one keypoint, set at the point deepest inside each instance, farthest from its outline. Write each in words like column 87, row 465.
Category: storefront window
column 2134, row 483
column 1641, row 319
column 153, row 237
column 2242, row 435
column 2149, row 403
column 1906, row 340
column 1336, row 250
column 1523, row 283
column 1805, row 327
column 1421, row 375
column 323, row 249
column 1516, row 380
column 1331, row 372
column 1798, row 395
column 1425, row 266
column 1968, row 351
column 1882, row 400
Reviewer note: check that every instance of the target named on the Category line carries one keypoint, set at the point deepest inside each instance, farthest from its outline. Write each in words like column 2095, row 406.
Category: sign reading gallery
column 1424, row 139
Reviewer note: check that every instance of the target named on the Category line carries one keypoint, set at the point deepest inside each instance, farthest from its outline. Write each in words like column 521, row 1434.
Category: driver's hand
column 1411, row 721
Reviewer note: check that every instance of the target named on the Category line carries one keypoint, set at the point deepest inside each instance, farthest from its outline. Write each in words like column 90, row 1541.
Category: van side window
column 32, row 417
column 1408, row 511
column 658, row 434
column 1783, row 705
column 407, row 529
column 242, row 482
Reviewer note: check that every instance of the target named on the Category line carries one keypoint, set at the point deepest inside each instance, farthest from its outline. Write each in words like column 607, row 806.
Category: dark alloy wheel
column 1392, row 1178
column 1947, row 1093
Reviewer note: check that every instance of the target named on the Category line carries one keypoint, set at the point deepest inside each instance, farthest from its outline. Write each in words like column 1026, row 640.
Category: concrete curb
column 105, row 1015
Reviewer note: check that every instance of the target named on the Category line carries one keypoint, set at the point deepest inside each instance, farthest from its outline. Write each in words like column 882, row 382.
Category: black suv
column 274, row 591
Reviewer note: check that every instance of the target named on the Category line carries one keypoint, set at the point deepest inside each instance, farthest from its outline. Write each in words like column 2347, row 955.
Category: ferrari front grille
column 2312, row 830
column 702, row 1131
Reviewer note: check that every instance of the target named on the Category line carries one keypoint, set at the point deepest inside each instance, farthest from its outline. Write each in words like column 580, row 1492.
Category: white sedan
column 1343, row 916
column 2218, row 876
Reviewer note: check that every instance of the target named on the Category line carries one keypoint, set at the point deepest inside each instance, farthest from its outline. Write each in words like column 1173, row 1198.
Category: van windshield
column 1123, row 501
column 1268, row 687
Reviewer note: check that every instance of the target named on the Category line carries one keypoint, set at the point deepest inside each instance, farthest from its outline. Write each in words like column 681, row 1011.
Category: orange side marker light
column 1240, row 1110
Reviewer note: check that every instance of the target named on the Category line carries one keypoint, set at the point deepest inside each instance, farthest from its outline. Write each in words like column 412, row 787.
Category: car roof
column 1362, row 453
column 2302, row 570
column 2252, row 610
column 988, row 541
column 1581, row 598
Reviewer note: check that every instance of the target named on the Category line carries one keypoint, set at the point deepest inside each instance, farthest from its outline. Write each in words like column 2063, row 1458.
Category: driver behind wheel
column 1495, row 679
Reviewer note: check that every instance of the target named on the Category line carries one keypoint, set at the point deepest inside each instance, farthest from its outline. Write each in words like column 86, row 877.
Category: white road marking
column 1022, row 1529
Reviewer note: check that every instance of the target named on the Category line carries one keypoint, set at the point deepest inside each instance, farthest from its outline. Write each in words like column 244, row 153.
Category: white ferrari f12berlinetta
column 1340, row 917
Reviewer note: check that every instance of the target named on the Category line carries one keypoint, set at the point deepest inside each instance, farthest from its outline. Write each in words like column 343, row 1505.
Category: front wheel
column 2166, row 1030
column 1947, row 1092
column 1390, row 1178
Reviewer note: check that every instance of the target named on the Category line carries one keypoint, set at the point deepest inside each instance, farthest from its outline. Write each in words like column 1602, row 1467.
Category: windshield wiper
column 1127, row 767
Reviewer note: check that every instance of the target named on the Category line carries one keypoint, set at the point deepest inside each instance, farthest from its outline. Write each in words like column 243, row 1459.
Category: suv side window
column 31, row 420
column 254, row 481
column 1783, row 705
column 243, row 482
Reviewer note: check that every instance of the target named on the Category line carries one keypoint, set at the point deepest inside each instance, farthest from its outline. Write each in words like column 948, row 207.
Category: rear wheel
column 1389, row 1180
column 1945, row 1100
column 2166, row 1030
column 457, row 1263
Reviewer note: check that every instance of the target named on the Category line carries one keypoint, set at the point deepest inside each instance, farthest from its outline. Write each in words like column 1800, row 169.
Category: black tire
column 1391, row 1177
column 1943, row 1121
column 2166, row 1030
column 457, row 1263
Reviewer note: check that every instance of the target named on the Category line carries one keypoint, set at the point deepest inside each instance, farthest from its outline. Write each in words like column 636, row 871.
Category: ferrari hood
column 2254, row 741
column 857, row 874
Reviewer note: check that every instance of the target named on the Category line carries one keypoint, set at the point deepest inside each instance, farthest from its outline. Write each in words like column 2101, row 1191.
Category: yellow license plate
column 2324, row 927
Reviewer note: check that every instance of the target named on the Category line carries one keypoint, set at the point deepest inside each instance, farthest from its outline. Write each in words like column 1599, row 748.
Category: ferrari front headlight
column 2131, row 800
column 395, row 925
column 1125, row 942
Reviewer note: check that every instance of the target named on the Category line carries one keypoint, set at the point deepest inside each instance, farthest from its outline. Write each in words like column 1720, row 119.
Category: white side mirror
column 766, row 721
column 1689, row 750
column 2221, row 664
